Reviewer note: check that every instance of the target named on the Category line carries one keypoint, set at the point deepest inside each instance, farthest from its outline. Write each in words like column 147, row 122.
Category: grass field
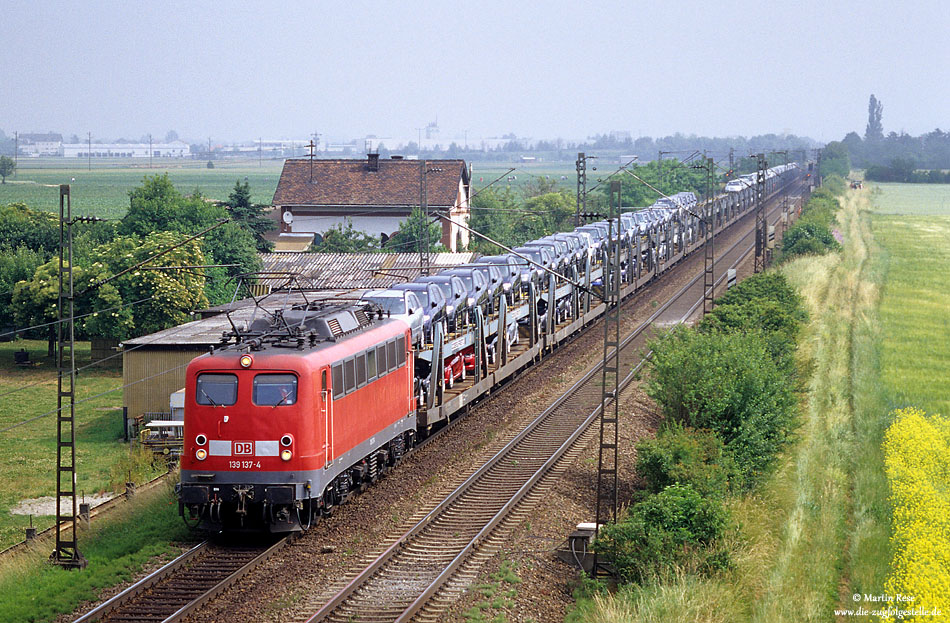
column 115, row 546
column 28, row 452
column 912, row 224
column 911, row 198
column 104, row 192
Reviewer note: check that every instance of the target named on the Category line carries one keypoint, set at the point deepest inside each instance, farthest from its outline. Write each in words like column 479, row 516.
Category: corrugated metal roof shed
column 354, row 270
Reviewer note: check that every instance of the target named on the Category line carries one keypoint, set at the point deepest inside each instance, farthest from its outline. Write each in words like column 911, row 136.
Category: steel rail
column 149, row 589
column 354, row 585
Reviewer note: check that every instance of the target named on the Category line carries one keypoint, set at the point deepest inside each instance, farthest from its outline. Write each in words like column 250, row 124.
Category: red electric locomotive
column 305, row 407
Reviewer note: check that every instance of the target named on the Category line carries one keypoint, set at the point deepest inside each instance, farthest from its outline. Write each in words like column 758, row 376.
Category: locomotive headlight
column 201, row 454
column 201, row 440
column 286, row 454
column 246, row 361
column 286, row 440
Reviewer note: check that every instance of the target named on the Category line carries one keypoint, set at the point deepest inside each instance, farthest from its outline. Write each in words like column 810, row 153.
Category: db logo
column 243, row 447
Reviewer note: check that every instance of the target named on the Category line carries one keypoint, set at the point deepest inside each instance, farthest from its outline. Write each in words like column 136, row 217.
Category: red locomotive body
column 277, row 430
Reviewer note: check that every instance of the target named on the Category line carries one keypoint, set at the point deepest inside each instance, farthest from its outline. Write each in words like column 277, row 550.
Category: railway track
column 425, row 569
column 184, row 584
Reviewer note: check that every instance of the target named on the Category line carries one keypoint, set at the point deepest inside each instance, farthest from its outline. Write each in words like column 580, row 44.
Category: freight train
column 305, row 404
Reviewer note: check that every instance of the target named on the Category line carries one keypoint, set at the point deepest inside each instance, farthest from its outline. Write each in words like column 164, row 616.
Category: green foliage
column 667, row 176
column 512, row 221
column 172, row 294
column 811, row 234
column 17, row 265
column 835, row 160
column 413, row 234
column 7, row 167
column 684, row 456
column 158, row 206
column 730, row 384
column 21, row 226
column 251, row 215
column 675, row 527
column 764, row 304
column 343, row 238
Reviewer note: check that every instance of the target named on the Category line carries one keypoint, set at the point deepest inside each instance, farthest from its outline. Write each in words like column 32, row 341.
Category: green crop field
column 911, row 198
column 103, row 191
column 912, row 224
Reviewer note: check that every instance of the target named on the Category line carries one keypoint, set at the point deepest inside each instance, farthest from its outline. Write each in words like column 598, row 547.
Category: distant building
column 175, row 149
column 375, row 194
column 36, row 145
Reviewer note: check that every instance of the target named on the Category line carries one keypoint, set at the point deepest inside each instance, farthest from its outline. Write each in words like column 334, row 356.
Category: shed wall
column 153, row 394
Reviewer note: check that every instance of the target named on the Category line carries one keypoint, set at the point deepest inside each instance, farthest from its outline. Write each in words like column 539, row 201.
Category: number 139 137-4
column 244, row 464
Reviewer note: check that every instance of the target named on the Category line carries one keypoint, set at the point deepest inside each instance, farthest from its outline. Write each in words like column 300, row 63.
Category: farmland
column 104, row 192
column 912, row 224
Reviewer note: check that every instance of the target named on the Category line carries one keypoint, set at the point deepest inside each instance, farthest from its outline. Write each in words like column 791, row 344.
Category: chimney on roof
column 373, row 161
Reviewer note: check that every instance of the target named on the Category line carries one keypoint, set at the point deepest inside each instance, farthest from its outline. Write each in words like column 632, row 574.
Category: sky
column 234, row 71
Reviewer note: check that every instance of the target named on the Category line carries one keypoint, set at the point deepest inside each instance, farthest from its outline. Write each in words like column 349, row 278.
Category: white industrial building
column 175, row 149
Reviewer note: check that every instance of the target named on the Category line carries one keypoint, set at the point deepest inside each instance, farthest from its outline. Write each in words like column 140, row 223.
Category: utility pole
column 66, row 553
column 760, row 233
column 607, row 474
column 150, row 150
column 260, row 155
column 312, row 147
column 89, row 150
column 709, row 255
column 209, row 148
column 818, row 167
column 732, row 161
column 581, row 166
column 423, row 241
column 16, row 151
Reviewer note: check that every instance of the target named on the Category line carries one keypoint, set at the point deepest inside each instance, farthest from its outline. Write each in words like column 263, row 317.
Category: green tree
column 251, row 215
column 413, row 232
column 16, row 265
column 874, row 129
column 7, row 167
column 493, row 214
column 344, row 238
column 114, row 309
column 730, row 384
column 835, row 160
column 158, row 206
column 21, row 226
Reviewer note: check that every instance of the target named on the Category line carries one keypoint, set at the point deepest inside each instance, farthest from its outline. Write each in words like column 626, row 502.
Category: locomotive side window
column 360, row 370
column 275, row 389
column 381, row 359
column 349, row 374
column 391, row 355
column 216, row 389
column 401, row 349
column 371, row 364
column 338, row 387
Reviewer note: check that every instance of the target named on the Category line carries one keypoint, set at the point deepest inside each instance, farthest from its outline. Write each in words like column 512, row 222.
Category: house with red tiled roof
column 375, row 194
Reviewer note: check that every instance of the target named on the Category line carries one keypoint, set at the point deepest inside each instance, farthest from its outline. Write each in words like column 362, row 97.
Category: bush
column 808, row 237
column 730, row 384
column 763, row 303
column 681, row 455
column 677, row 526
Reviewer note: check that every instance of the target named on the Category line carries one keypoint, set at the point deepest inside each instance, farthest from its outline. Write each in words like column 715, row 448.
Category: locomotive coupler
column 244, row 494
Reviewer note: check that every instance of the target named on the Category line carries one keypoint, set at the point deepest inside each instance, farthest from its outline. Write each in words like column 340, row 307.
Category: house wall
column 373, row 225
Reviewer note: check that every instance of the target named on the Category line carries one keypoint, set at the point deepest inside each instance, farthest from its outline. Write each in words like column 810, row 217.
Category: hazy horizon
column 243, row 70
